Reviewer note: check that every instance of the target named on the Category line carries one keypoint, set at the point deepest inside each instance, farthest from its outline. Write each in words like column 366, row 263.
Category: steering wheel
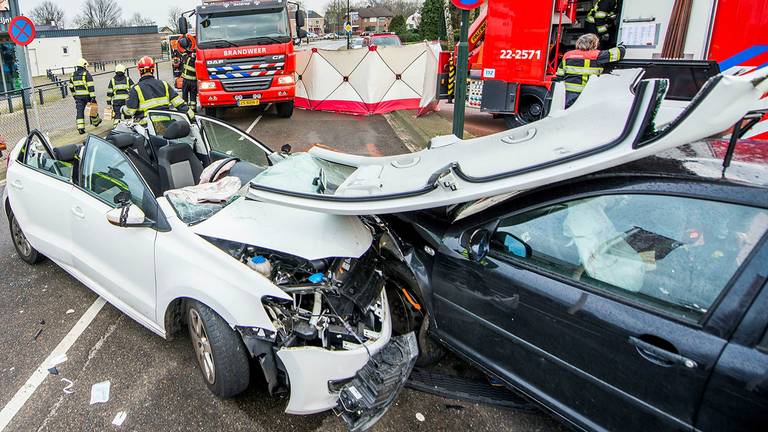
column 222, row 165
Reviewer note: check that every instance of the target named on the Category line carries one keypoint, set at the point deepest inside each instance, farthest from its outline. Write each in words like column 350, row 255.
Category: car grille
column 247, row 84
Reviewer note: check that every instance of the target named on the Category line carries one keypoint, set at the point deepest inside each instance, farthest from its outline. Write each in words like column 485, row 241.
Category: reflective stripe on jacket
column 603, row 15
column 578, row 66
column 151, row 93
column 119, row 87
column 81, row 84
column 188, row 71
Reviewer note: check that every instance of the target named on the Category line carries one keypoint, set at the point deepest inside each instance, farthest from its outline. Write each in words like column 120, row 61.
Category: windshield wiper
column 269, row 39
column 217, row 42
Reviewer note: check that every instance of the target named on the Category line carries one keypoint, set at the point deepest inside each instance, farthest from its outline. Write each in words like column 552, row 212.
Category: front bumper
column 222, row 98
column 311, row 370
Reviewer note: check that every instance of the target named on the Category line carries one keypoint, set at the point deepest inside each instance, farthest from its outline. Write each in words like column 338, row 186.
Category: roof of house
column 115, row 31
column 313, row 14
column 375, row 12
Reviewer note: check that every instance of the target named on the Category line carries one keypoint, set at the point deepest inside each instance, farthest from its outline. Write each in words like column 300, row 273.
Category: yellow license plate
column 248, row 102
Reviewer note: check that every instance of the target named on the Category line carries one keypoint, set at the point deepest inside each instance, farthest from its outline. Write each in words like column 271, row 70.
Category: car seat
column 179, row 166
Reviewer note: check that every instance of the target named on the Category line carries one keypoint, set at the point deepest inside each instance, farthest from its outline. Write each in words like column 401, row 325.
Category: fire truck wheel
column 534, row 105
column 284, row 109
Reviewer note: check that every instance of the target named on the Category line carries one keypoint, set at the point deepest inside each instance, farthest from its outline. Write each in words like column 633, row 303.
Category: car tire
column 284, row 109
column 405, row 317
column 220, row 353
column 25, row 250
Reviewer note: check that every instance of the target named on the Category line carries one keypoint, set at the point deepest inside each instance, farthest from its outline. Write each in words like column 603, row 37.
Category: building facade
column 53, row 53
column 315, row 22
column 13, row 68
column 375, row 19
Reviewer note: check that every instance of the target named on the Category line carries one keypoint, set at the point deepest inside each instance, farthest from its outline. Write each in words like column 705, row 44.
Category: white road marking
column 38, row 376
column 253, row 125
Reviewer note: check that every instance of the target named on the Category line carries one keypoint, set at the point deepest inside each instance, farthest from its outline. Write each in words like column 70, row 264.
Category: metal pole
column 2, row 74
column 349, row 33
column 32, row 90
column 26, row 111
column 461, row 77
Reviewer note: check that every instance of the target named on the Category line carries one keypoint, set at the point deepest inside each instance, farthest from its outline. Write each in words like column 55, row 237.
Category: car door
column 598, row 306
column 225, row 141
column 118, row 260
column 40, row 193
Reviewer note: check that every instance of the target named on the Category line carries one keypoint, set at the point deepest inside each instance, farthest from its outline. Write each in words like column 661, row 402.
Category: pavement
column 157, row 382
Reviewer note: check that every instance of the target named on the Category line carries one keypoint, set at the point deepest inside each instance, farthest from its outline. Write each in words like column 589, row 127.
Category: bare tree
column 405, row 8
column 48, row 13
column 138, row 20
column 99, row 14
column 173, row 18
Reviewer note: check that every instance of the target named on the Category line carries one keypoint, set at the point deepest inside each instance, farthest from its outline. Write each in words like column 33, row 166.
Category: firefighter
column 601, row 20
column 81, row 86
column 584, row 62
column 188, row 73
column 151, row 93
column 117, row 92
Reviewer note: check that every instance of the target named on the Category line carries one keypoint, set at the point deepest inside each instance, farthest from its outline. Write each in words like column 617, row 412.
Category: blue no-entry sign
column 22, row 30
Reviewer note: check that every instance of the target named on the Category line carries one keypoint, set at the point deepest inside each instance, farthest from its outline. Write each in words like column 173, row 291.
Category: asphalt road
column 157, row 382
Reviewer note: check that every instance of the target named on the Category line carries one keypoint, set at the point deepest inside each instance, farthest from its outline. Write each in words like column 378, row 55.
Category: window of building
column 65, row 50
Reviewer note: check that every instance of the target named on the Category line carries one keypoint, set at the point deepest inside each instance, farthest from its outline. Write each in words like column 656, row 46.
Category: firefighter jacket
column 151, row 93
column 81, row 84
column 603, row 15
column 578, row 66
column 118, row 88
column 188, row 69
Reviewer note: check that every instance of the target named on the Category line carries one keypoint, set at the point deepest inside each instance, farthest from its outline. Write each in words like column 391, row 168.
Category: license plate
column 248, row 102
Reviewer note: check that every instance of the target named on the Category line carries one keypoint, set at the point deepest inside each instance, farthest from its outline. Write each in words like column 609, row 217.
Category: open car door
column 612, row 123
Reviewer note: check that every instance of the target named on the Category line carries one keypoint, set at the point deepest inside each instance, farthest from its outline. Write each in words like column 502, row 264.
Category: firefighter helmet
column 83, row 63
column 120, row 68
column 146, row 65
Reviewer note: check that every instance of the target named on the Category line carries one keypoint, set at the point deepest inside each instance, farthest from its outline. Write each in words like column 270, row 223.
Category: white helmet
column 83, row 63
column 120, row 68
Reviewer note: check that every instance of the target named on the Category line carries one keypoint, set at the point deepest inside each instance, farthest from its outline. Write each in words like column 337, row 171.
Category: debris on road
column 53, row 371
column 420, row 417
column 100, row 392
column 39, row 331
column 70, row 311
column 68, row 388
column 119, row 418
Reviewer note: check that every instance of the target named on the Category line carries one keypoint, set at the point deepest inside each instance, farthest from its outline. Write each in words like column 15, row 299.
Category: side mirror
column 479, row 245
column 517, row 247
column 127, row 216
column 300, row 19
column 286, row 149
column 183, row 25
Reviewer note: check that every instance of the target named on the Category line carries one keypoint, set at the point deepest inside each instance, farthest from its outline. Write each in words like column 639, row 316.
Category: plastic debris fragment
column 100, row 392
column 420, row 417
column 68, row 388
column 119, row 418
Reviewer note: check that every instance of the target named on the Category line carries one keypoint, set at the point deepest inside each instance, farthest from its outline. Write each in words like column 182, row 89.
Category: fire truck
column 515, row 47
column 245, row 54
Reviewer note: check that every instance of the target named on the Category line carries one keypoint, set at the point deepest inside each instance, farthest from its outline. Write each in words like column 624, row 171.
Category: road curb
column 416, row 132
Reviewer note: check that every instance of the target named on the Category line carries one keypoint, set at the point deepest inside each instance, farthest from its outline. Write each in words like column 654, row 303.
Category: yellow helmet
column 120, row 68
column 82, row 63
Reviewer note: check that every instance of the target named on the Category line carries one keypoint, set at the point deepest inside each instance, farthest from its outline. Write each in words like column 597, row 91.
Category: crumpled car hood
column 306, row 234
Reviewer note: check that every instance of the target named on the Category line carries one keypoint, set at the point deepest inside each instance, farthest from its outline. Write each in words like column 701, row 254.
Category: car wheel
column 284, row 109
column 406, row 316
column 25, row 250
column 221, row 355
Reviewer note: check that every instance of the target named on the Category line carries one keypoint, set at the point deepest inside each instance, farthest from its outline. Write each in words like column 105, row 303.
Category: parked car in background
column 312, row 35
column 356, row 43
column 331, row 36
column 632, row 299
column 383, row 40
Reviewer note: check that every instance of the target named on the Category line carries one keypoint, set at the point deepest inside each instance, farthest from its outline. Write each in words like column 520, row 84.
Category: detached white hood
column 302, row 233
column 615, row 121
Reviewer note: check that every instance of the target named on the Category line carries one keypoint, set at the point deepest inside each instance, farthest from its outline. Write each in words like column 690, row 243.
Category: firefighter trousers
column 189, row 93
column 80, row 103
column 117, row 107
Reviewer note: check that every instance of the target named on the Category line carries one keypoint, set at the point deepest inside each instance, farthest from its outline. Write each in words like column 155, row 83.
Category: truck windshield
column 255, row 28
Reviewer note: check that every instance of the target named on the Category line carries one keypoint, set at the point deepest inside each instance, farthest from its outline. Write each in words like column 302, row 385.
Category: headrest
column 176, row 130
column 66, row 153
column 122, row 140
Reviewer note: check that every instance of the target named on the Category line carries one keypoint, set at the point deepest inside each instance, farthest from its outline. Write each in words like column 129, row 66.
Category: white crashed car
column 301, row 292
column 290, row 268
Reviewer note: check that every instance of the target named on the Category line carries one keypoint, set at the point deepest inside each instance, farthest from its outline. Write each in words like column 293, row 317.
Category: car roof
column 703, row 161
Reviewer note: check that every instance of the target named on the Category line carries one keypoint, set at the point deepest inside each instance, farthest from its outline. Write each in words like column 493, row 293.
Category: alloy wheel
column 202, row 346
column 19, row 239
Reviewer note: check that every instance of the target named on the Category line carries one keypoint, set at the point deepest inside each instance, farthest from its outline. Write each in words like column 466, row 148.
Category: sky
column 154, row 9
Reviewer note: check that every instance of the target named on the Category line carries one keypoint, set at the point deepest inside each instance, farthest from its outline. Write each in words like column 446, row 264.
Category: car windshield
column 199, row 203
column 304, row 173
column 263, row 27
column 385, row 41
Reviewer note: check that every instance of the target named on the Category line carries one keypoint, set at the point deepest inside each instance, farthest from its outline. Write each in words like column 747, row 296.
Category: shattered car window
column 194, row 204
column 670, row 253
column 305, row 173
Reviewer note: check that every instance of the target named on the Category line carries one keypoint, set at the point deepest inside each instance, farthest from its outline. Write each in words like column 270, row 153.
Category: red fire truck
column 245, row 54
column 515, row 47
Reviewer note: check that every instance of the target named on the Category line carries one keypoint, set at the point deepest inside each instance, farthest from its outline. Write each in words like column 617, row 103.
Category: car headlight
column 207, row 85
column 285, row 80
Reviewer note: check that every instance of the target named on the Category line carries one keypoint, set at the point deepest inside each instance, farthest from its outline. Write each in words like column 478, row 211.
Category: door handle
column 78, row 212
column 16, row 184
column 661, row 356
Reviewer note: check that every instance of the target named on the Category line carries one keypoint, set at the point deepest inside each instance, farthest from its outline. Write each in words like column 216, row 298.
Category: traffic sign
column 467, row 4
column 348, row 27
column 22, row 30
